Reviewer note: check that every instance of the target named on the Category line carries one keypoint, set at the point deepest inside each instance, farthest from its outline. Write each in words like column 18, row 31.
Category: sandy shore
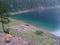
column 19, row 12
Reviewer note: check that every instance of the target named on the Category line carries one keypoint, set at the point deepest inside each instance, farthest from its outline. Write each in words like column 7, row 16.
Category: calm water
column 47, row 18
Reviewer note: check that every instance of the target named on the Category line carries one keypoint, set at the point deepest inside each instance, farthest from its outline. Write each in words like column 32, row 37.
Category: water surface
column 49, row 18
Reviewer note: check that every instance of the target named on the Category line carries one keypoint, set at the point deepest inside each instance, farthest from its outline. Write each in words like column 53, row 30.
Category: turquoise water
column 48, row 18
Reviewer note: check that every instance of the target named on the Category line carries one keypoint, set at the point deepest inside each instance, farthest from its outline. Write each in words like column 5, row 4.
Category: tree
column 4, row 14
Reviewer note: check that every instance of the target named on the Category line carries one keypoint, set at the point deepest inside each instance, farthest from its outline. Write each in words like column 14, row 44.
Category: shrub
column 38, row 32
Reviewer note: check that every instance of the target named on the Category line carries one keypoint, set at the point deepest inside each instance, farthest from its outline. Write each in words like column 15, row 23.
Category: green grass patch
column 39, row 32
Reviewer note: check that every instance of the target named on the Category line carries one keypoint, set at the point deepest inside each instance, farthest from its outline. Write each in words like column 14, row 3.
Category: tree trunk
column 2, row 24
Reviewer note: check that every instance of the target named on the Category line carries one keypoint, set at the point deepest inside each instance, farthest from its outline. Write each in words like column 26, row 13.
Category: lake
column 49, row 18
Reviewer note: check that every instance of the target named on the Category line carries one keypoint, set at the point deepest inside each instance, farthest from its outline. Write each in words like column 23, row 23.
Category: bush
column 38, row 32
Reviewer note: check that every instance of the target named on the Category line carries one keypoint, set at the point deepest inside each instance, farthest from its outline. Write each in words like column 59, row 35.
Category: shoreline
column 19, row 12
column 40, row 28
column 33, row 9
column 56, row 32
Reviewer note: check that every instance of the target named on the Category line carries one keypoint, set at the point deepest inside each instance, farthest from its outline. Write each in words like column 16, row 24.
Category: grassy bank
column 45, row 39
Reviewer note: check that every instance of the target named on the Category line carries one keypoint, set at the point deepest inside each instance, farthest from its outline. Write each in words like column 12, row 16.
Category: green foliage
column 4, row 15
column 6, row 21
column 3, row 8
column 38, row 32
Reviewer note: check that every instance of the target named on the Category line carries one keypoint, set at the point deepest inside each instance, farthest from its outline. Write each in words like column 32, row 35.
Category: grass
column 45, row 39
column 0, row 27
column 37, row 40
column 37, row 32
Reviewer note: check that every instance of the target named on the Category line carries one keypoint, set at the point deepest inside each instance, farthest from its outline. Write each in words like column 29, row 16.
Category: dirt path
column 15, row 41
